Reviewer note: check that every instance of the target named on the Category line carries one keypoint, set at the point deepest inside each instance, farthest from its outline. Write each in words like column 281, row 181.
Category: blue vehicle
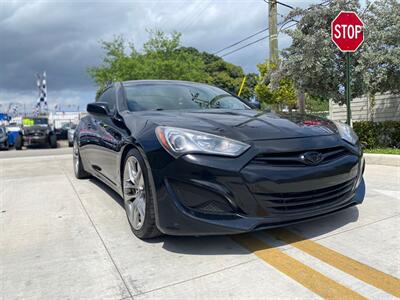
column 3, row 138
column 13, row 131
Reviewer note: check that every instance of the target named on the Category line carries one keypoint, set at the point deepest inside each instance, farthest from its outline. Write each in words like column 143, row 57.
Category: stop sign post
column 347, row 34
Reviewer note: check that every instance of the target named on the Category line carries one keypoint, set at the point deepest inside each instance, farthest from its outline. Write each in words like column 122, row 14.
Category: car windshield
column 180, row 96
column 34, row 121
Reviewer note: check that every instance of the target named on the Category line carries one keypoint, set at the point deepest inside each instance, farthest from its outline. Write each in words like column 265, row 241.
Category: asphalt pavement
column 63, row 238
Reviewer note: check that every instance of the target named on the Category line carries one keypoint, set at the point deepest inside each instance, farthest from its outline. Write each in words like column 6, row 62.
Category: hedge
column 378, row 134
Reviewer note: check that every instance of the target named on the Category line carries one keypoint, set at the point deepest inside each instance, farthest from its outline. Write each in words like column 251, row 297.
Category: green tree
column 317, row 67
column 379, row 62
column 278, row 94
column 225, row 75
column 164, row 58
column 159, row 60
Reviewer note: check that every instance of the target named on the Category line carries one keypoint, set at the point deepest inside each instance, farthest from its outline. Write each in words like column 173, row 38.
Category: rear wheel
column 18, row 142
column 138, row 197
column 79, row 171
column 53, row 141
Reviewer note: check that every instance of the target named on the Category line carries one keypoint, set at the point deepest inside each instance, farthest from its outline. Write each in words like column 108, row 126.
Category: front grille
column 293, row 159
column 302, row 201
column 38, row 134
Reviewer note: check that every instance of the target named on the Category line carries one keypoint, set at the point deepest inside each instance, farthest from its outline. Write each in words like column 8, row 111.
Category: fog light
column 360, row 173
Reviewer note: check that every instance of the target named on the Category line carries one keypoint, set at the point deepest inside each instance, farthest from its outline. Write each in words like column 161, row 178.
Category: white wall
column 387, row 107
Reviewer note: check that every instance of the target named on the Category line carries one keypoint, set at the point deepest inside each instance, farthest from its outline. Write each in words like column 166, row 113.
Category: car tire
column 53, row 141
column 18, row 142
column 79, row 171
column 70, row 144
column 142, row 220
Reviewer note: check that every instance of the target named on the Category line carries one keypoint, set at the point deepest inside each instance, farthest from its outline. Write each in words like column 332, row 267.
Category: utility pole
column 273, row 31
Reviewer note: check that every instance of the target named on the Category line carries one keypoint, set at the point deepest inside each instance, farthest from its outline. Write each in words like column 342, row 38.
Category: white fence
column 386, row 107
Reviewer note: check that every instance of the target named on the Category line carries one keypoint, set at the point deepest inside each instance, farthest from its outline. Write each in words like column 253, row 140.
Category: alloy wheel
column 75, row 152
column 134, row 192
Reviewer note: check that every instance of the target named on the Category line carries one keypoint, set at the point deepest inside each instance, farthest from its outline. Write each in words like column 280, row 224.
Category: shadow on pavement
column 222, row 245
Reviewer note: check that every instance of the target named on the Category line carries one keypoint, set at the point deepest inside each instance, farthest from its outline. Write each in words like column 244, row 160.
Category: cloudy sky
column 62, row 37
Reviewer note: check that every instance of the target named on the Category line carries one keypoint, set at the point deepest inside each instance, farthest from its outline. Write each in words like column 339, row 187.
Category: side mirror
column 255, row 105
column 98, row 108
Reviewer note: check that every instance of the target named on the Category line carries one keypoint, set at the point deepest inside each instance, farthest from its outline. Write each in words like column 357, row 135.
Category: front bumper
column 204, row 195
column 35, row 140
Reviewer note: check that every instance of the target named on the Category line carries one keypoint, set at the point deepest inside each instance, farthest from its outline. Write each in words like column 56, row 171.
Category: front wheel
column 53, row 141
column 79, row 171
column 138, row 197
column 18, row 142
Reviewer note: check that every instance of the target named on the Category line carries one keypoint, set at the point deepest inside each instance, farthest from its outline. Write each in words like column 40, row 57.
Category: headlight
column 347, row 133
column 179, row 141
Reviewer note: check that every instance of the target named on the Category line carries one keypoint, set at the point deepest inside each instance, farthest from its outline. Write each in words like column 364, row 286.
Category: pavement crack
column 196, row 277
column 98, row 233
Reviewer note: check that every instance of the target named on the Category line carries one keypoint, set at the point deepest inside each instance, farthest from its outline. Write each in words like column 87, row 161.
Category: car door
column 104, row 153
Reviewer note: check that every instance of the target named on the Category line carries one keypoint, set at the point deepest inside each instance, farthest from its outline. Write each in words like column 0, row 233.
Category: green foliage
column 383, row 151
column 317, row 66
column 283, row 94
column 316, row 104
column 379, row 61
column 164, row 58
column 160, row 60
column 378, row 134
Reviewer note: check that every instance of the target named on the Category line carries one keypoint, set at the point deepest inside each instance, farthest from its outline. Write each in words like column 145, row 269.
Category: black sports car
column 192, row 159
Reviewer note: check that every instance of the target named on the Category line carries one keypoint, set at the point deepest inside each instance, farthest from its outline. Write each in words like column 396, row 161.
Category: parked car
column 3, row 138
column 71, row 132
column 192, row 159
column 62, row 132
column 36, row 131
column 13, row 131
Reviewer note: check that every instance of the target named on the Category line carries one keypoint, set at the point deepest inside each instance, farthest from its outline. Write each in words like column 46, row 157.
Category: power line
column 252, row 35
column 245, row 46
column 282, row 24
column 198, row 16
column 242, row 40
column 254, row 42
column 281, row 3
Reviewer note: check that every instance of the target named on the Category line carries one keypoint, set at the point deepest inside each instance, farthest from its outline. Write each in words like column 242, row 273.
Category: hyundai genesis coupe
column 192, row 159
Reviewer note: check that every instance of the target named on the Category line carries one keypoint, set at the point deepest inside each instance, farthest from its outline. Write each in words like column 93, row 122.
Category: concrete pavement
column 63, row 238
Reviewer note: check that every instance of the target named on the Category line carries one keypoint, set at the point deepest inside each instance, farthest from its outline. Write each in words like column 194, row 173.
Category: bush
column 378, row 134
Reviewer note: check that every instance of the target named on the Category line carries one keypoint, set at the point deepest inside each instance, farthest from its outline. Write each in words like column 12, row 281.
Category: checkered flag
column 42, row 88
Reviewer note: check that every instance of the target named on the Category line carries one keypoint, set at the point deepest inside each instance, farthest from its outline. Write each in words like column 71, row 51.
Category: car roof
column 160, row 81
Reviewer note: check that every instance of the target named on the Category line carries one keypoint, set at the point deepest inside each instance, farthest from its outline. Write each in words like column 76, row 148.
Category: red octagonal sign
column 347, row 31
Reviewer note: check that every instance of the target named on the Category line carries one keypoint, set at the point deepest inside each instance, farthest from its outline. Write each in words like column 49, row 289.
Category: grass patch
column 383, row 151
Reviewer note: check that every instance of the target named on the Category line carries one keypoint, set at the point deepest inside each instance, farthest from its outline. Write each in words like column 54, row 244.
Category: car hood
column 244, row 125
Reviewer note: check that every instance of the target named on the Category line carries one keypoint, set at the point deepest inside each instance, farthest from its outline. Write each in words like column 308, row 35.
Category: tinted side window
column 108, row 97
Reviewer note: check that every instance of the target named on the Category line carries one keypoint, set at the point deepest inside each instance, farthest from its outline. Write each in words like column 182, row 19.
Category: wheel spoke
column 135, row 220
column 141, row 205
column 134, row 192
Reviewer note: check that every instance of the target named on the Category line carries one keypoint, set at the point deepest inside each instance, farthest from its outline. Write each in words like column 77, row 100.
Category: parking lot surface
column 63, row 238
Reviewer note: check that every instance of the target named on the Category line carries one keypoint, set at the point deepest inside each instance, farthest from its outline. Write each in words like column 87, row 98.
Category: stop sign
column 347, row 31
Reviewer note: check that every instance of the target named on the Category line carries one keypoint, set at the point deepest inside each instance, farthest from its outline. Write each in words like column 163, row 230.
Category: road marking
column 308, row 277
column 374, row 277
